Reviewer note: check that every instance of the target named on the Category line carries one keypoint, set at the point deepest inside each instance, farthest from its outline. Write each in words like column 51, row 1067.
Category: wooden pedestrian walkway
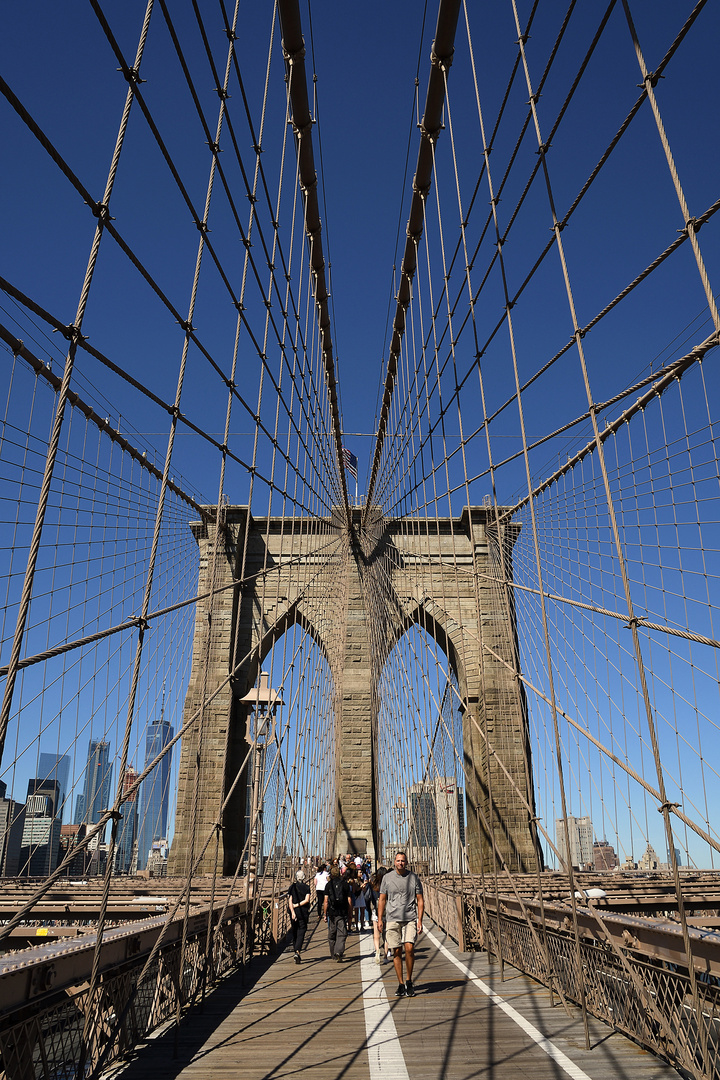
column 329, row 1020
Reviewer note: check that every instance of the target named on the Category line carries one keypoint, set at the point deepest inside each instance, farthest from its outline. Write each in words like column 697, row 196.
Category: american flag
column 350, row 463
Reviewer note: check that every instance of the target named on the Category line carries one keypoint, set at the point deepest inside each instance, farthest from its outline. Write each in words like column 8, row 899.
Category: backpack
column 336, row 896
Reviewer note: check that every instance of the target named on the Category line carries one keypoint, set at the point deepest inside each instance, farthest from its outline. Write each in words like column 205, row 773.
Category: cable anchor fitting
column 668, row 806
column 651, row 79
column 132, row 75
column 443, row 62
column 431, row 136
column 72, row 333
column 292, row 57
column 101, row 211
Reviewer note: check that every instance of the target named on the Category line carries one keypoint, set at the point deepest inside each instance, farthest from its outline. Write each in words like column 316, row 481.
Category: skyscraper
column 126, row 851
column 155, row 792
column 437, row 825
column 56, row 767
column 580, row 832
column 604, row 857
column 95, row 797
column 12, row 825
column 41, row 831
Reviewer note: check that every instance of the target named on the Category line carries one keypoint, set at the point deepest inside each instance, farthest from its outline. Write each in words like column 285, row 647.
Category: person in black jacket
column 338, row 912
column 299, row 903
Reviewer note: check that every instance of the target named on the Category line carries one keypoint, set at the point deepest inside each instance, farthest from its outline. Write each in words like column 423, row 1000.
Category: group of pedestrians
column 392, row 900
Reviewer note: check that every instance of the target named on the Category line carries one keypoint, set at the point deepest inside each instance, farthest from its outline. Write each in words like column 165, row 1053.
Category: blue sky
column 365, row 57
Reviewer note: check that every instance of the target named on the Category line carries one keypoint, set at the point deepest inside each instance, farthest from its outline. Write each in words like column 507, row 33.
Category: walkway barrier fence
column 150, row 971
column 633, row 969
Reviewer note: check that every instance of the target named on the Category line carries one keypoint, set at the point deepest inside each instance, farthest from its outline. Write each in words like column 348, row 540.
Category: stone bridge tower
column 442, row 575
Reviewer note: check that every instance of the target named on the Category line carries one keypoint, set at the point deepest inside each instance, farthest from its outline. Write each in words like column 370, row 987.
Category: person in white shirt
column 321, row 880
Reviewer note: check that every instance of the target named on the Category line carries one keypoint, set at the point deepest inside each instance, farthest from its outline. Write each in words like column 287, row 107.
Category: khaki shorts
column 400, row 933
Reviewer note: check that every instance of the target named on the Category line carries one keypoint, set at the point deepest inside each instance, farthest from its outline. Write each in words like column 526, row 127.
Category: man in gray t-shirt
column 401, row 894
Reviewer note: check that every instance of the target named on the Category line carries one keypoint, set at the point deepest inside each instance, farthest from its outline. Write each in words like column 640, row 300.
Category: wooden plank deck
column 315, row 1018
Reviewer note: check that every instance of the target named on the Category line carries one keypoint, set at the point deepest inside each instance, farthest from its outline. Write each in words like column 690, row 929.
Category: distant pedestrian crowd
column 349, row 897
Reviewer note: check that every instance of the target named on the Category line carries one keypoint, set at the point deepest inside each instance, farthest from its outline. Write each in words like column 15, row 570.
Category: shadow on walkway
column 164, row 1056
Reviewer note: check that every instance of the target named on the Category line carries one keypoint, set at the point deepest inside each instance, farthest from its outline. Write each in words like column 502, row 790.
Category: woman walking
column 372, row 894
column 299, row 904
column 358, row 887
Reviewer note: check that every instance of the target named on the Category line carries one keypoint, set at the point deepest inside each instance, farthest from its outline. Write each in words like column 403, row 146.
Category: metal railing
column 633, row 969
column 45, row 992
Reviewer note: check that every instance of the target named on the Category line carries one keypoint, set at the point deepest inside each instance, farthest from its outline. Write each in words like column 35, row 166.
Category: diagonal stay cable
column 19, row 349
column 43, row 370
column 99, row 211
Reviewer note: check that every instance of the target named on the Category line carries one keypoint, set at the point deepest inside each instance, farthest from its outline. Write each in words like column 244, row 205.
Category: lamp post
column 399, row 809
column 263, row 701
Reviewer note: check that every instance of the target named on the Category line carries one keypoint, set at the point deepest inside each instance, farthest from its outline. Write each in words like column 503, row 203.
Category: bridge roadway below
column 329, row 1020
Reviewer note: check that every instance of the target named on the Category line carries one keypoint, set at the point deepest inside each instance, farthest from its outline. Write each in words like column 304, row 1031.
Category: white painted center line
column 544, row 1043
column 385, row 1056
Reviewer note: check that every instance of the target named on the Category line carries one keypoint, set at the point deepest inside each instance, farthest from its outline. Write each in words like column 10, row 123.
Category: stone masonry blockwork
column 441, row 574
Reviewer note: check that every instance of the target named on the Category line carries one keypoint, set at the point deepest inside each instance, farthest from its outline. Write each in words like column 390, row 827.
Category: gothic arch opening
column 420, row 754
column 288, row 798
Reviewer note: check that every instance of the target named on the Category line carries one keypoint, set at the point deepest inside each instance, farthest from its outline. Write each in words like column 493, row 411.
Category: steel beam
column 52, row 968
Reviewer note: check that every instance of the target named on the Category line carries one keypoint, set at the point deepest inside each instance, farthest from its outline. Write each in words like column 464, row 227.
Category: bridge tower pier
column 442, row 575
column 356, row 828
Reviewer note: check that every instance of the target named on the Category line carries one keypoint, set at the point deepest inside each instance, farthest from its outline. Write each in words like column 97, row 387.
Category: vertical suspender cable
column 430, row 126
column 294, row 48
